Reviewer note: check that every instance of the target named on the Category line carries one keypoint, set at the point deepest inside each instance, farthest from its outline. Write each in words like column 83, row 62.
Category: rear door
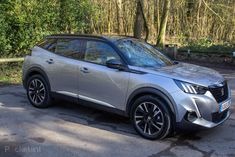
column 63, row 65
column 97, row 82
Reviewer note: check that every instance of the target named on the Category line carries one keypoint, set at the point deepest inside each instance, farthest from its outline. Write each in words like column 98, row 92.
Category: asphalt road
column 70, row 130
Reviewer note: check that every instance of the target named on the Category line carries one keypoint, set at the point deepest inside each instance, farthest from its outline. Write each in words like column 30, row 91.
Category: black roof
column 111, row 38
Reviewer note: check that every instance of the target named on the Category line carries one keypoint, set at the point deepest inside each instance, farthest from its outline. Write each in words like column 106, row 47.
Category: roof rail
column 76, row 35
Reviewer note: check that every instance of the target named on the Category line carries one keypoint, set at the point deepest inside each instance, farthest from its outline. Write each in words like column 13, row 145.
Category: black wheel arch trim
column 36, row 70
column 153, row 91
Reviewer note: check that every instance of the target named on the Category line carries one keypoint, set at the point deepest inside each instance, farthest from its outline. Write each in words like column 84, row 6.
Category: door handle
column 84, row 70
column 50, row 61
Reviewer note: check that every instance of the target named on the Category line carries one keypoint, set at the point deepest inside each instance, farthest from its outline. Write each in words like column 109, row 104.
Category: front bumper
column 209, row 124
column 202, row 111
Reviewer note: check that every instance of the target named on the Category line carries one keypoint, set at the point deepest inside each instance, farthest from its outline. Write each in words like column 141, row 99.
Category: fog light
column 191, row 116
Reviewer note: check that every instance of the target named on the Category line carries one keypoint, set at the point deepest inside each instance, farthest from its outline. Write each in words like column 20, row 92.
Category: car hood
column 189, row 73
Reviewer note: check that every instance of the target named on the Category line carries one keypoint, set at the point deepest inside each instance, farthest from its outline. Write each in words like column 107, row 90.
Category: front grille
column 220, row 93
column 217, row 117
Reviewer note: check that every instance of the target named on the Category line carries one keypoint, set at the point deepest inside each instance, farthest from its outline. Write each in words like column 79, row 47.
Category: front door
column 97, row 82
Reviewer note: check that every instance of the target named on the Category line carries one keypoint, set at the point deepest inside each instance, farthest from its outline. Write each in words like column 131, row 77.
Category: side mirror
column 115, row 64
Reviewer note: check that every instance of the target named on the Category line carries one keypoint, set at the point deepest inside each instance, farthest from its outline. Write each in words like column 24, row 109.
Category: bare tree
column 119, row 16
column 145, row 20
column 176, row 20
column 162, row 31
column 138, row 21
column 156, row 15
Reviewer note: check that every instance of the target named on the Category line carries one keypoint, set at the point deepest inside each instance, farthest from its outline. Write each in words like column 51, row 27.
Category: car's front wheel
column 38, row 92
column 151, row 117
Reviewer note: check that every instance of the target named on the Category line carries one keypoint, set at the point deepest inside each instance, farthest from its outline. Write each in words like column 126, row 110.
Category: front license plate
column 225, row 105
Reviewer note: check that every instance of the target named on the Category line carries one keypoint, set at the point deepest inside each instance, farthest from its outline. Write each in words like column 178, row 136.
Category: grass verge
column 10, row 73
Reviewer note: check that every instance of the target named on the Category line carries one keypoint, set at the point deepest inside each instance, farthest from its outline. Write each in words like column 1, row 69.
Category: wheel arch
column 151, row 91
column 36, row 71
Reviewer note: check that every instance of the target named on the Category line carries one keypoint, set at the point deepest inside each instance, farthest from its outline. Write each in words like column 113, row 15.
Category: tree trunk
column 156, row 16
column 119, row 16
column 138, row 21
column 162, row 31
column 145, row 20
column 190, row 7
column 109, row 17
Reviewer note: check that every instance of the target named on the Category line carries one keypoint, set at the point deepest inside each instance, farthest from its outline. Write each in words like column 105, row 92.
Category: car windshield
column 141, row 54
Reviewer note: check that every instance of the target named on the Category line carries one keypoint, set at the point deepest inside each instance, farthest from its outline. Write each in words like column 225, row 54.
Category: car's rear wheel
column 38, row 92
column 151, row 118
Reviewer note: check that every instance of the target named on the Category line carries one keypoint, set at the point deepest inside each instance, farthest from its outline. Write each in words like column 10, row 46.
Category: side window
column 71, row 48
column 99, row 52
column 48, row 44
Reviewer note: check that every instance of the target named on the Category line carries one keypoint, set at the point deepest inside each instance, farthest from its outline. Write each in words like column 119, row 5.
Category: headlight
column 190, row 88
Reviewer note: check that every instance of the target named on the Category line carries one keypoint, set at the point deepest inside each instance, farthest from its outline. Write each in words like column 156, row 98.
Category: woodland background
column 201, row 25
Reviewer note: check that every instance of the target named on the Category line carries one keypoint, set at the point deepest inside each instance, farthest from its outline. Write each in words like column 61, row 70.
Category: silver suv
column 129, row 77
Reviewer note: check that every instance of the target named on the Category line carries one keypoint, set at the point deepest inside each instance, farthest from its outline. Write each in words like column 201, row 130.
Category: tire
column 38, row 92
column 151, row 117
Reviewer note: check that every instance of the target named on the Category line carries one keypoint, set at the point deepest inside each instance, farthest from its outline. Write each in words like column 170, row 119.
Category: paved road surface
column 69, row 130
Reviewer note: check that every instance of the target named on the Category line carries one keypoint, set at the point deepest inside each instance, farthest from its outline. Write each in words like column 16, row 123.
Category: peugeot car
column 129, row 77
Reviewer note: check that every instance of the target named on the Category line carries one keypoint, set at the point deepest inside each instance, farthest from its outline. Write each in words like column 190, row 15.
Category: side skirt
column 89, row 104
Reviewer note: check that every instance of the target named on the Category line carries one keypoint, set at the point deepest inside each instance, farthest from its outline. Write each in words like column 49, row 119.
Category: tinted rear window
column 71, row 48
column 46, row 43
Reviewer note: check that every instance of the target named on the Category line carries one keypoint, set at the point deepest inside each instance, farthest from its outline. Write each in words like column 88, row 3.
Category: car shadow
column 75, row 113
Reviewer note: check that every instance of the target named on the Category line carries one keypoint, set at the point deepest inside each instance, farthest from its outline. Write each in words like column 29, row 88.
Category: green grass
column 10, row 73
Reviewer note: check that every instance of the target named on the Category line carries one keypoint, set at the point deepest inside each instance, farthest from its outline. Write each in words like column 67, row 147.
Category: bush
column 24, row 23
column 205, row 45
